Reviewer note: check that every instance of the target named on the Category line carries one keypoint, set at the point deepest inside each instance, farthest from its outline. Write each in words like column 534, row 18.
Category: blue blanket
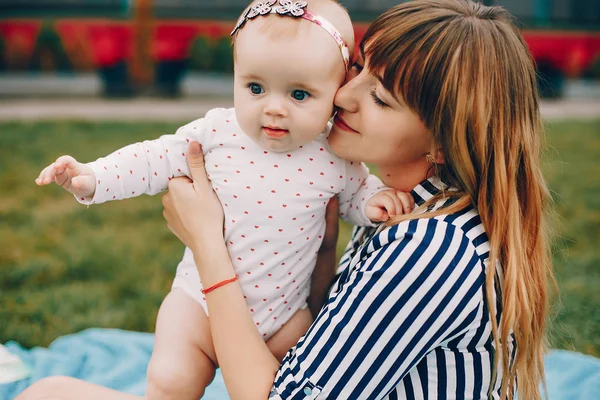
column 118, row 359
column 109, row 357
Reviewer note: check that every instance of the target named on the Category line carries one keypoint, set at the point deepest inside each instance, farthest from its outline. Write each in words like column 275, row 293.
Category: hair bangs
column 410, row 55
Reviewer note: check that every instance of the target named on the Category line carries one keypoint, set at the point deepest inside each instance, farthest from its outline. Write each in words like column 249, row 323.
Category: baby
column 270, row 166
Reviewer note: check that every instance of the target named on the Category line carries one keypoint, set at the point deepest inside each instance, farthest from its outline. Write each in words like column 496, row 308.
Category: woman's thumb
column 195, row 160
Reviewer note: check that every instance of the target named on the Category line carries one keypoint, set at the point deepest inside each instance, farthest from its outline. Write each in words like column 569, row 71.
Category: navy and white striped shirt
column 406, row 319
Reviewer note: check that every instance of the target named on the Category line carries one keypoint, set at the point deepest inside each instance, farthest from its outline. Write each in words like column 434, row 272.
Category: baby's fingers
column 393, row 204
column 47, row 175
column 64, row 162
column 54, row 172
column 82, row 183
column 388, row 205
column 408, row 203
column 38, row 180
column 62, row 179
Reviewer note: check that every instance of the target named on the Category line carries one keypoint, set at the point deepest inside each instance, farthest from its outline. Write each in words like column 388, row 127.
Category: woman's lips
column 340, row 123
column 275, row 133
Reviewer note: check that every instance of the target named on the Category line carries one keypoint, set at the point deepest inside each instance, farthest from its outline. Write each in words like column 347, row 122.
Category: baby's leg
column 290, row 333
column 183, row 360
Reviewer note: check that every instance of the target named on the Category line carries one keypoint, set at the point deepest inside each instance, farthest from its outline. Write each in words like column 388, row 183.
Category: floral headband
column 297, row 10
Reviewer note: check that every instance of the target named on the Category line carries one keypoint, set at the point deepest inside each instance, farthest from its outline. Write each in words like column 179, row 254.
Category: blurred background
column 85, row 77
column 122, row 48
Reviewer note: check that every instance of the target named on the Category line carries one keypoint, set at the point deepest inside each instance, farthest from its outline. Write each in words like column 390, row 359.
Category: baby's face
column 284, row 87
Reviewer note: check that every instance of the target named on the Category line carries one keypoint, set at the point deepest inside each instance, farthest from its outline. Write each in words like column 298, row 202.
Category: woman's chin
column 342, row 147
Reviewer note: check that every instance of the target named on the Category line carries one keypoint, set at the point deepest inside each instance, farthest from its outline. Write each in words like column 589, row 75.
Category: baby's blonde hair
column 282, row 27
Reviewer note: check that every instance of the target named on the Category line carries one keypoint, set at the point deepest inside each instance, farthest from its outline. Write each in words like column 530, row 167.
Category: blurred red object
column 569, row 52
column 111, row 41
column 19, row 41
column 173, row 38
column 108, row 41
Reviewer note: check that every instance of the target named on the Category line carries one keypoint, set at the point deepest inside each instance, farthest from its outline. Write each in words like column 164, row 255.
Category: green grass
column 65, row 267
column 573, row 150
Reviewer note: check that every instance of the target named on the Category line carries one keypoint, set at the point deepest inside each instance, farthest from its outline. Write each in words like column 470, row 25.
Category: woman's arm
column 247, row 365
column 68, row 388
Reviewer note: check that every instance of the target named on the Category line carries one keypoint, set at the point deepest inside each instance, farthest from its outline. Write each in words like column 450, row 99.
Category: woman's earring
column 430, row 158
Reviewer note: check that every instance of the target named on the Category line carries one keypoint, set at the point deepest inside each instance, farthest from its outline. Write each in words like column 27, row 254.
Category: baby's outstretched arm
column 73, row 176
column 387, row 204
column 139, row 168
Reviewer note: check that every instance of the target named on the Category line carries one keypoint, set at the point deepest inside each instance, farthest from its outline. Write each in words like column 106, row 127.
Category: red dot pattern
column 268, row 199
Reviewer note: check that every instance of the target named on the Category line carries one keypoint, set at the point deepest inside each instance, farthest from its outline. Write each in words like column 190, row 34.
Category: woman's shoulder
column 444, row 232
column 439, row 254
column 451, row 236
column 454, row 232
column 464, row 224
column 442, row 250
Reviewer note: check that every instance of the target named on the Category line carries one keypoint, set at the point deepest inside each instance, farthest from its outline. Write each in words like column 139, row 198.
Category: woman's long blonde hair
column 465, row 69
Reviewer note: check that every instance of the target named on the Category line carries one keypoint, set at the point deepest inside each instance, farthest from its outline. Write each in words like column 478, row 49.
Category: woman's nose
column 346, row 96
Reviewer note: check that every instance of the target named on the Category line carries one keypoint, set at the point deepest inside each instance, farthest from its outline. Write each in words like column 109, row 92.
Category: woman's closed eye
column 300, row 95
column 255, row 88
column 377, row 100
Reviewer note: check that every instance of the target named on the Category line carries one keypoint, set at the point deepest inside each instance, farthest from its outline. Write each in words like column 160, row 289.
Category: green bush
column 2, row 54
column 202, row 54
column 49, row 48
column 223, row 56
column 594, row 68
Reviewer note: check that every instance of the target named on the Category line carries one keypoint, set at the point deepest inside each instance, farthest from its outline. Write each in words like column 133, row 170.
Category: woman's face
column 372, row 126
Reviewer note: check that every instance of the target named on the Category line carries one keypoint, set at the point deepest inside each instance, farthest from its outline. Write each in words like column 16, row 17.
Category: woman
column 443, row 101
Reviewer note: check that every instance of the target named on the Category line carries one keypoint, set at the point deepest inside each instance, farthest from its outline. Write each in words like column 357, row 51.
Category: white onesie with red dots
column 274, row 205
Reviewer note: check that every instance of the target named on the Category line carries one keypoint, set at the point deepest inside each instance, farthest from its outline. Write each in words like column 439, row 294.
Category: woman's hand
column 191, row 207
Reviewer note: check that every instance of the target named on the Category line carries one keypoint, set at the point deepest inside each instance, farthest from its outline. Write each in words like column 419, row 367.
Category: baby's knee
column 170, row 381
column 164, row 381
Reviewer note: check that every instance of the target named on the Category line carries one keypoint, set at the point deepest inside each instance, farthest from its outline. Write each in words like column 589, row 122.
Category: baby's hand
column 72, row 175
column 387, row 204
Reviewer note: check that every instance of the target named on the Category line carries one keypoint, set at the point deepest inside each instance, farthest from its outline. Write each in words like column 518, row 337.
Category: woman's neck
column 404, row 177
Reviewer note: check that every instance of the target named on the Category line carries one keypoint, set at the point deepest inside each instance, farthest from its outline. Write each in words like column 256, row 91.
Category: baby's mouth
column 274, row 132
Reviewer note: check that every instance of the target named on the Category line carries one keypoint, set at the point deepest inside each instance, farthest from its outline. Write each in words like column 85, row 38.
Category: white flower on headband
column 261, row 8
column 241, row 21
column 289, row 7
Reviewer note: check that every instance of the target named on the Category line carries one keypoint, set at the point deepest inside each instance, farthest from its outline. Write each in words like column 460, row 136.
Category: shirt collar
column 427, row 189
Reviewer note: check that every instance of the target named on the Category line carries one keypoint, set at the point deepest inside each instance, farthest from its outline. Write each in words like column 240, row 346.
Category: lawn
column 65, row 267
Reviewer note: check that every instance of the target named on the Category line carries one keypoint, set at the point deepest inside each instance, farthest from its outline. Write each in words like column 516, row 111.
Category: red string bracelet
column 219, row 284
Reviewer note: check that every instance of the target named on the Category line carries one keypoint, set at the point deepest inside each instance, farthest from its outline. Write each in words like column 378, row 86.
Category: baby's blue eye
column 300, row 95
column 255, row 88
